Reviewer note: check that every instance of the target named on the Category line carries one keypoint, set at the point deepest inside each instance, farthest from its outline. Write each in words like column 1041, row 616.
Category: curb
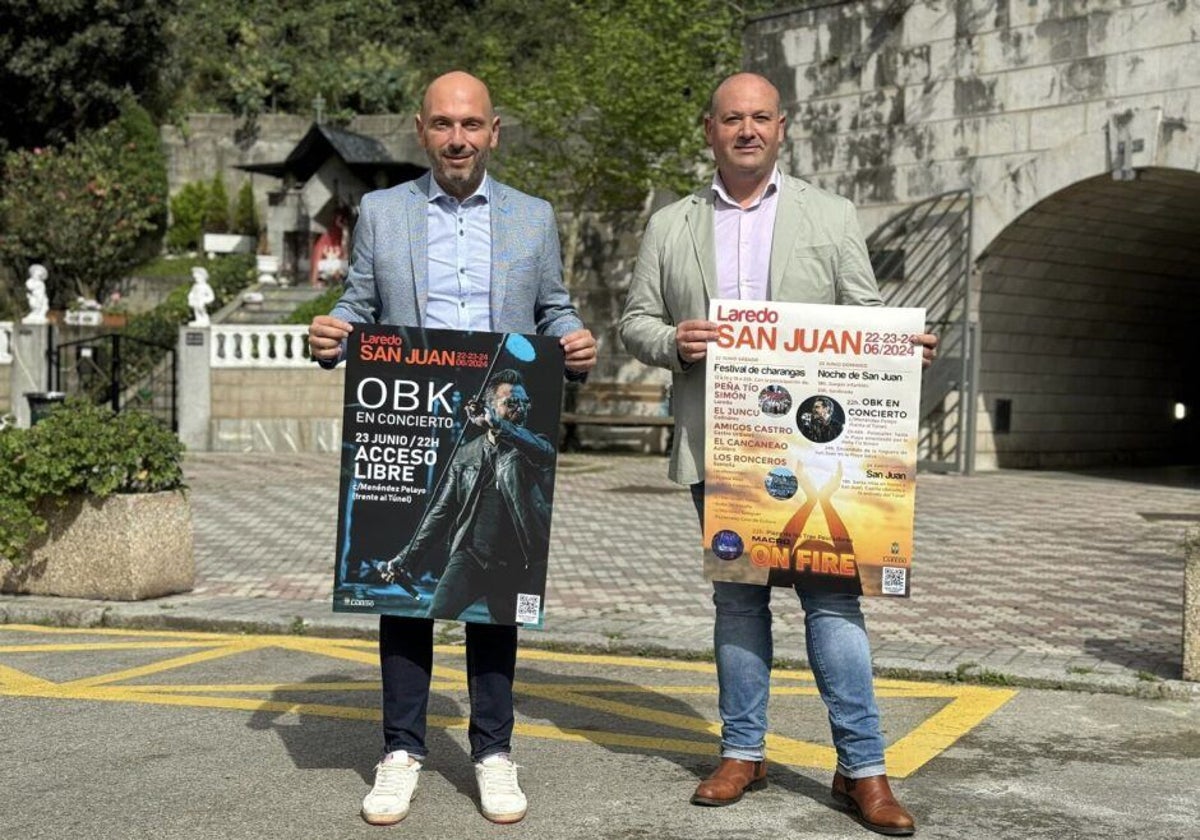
column 68, row 613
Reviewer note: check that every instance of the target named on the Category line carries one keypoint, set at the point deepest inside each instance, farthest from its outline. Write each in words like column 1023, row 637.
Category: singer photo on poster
column 447, row 474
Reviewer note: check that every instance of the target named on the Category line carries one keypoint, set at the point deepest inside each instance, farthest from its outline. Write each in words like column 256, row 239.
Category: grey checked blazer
column 817, row 256
column 388, row 281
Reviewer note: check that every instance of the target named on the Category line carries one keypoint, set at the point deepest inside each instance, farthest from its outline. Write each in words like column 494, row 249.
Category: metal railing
column 922, row 257
column 120, row 371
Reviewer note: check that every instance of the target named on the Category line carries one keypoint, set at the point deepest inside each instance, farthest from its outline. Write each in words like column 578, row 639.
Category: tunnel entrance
column 1088, row 312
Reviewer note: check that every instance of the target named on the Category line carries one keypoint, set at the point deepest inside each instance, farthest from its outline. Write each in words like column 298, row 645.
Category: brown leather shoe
column 871, row 802
column 732, row 778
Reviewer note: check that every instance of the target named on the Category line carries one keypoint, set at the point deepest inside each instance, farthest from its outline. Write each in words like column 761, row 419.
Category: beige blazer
column 817, row 256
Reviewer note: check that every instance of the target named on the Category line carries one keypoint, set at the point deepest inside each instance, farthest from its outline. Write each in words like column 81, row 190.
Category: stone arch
column 1161, row 143
column 1088, row 299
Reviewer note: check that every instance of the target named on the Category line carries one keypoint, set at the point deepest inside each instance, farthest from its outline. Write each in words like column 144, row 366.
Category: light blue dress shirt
column 460, row 259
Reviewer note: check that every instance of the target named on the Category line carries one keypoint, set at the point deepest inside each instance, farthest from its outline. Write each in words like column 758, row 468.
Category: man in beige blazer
column 757, row 234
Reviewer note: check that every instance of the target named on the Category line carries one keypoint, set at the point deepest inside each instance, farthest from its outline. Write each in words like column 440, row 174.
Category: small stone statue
column 39, row 302
column 199, row 297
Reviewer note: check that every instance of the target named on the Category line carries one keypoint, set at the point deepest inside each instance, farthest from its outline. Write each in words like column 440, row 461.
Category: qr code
column 894, row 580
column 528, row 607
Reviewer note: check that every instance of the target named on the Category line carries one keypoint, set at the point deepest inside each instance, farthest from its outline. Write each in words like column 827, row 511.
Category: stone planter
column 268, row 270
column 120, row 548
column 84, row 317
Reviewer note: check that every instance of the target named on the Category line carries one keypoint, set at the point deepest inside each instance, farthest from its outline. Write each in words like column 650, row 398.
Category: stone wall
column 276, row 410
column 1085, row 286
column 892, row 102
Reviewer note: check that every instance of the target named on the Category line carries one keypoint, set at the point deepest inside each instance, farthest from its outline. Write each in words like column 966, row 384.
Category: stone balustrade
column 260, row 346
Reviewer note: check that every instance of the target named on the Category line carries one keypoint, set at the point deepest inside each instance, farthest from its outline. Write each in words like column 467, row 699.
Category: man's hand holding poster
column 812, row 445
column 447, row 474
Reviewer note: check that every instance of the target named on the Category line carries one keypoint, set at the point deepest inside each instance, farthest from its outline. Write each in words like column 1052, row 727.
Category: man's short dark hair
column 825, row 401
column 508, row 376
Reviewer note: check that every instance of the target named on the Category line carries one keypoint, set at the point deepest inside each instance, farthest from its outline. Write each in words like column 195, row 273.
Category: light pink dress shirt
column 743, row 241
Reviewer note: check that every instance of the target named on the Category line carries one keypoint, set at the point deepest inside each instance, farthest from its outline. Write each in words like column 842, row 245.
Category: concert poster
column 447, row 474
column 811, row 455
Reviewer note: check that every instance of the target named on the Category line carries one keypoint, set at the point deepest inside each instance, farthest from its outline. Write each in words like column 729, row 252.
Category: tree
column 65, row 65
column 245, row 214
column 267, row 56
column 609, row 95
column 187, row 217
column 142, row 167
column 216, row 206
column 83, row 210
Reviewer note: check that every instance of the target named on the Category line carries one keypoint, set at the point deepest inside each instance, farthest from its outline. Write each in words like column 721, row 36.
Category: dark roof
column 354, row 148
column 362, row 154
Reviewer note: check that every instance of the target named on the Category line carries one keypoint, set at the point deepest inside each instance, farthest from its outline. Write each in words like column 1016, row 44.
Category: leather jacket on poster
column 523, row 476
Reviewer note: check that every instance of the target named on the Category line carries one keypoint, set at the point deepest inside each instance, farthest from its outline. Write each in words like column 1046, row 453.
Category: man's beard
column 457, row 177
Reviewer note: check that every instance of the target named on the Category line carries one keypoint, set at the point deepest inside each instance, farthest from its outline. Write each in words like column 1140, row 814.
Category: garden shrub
column 245, row 214
column 79, row 449
column 187, row 217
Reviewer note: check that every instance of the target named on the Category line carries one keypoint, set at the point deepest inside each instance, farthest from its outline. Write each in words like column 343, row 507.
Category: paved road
column 121, row 735
column 1021, row 578
column 1056, row 578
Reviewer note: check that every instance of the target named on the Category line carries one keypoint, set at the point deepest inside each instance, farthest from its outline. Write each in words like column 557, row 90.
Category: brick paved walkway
column 1068, row 577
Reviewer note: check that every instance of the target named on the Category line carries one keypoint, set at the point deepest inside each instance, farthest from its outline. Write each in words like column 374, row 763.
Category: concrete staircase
column 264, row 304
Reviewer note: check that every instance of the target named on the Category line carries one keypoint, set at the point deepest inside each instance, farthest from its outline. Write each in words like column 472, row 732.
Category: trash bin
column 41, row 403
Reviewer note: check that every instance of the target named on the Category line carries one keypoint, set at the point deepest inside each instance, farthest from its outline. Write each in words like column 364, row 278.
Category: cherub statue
column 39, row 302
column 199, row 297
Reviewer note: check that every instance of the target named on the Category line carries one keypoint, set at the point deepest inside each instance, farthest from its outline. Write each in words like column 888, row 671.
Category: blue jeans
column 838, row 653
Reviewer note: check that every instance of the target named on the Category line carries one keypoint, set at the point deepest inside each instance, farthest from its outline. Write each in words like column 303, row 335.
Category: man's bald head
column 744, row 129
column 457, row 85
column 458, row 129
column 741, row 82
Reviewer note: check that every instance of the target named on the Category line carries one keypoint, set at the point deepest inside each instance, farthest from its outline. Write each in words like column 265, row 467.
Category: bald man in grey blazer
column 454, row 249
column 758, row 234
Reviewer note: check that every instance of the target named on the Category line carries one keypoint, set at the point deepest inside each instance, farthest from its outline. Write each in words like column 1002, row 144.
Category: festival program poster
column 447, row 474
column 810, row 463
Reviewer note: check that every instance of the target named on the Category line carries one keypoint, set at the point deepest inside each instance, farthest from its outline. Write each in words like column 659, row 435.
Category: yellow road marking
column 937, row 732
column 962, row 707
column 581, row 698
column 96, row 646
column 323, row 647
column 162, row 665
column 519, row 686
column 16, row 682
column 648, row 743
column 111, row 631
column 265, row 688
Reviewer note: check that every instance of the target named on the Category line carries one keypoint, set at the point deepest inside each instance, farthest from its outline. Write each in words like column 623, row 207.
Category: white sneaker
column 499, row 794
column 395, row 786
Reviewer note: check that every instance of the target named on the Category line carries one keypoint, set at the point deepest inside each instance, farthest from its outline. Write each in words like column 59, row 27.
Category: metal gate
column 922, row 257
column 120, row 371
